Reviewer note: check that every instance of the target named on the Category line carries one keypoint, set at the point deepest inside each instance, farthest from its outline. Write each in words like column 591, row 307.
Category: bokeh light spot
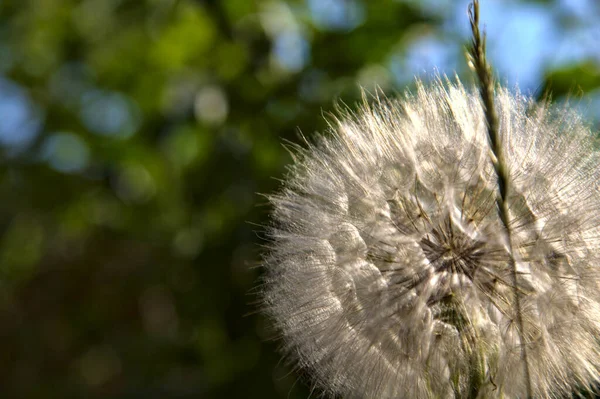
column 109, row 114
column 211, row 105
column 135, row 184
column 336, row 14
column 291, row 51
column 19, row 118
column 66, row 152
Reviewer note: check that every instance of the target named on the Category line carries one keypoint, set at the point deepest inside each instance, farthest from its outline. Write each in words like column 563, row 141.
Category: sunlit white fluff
column 389, row 277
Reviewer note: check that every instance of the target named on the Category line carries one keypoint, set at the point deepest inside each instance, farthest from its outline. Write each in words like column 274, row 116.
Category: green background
column 136, row 138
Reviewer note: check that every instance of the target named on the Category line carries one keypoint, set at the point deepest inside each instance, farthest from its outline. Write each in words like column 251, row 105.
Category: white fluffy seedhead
column 389, row 274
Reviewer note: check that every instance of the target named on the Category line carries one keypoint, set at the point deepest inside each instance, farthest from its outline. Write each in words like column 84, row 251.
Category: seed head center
column 449, row 249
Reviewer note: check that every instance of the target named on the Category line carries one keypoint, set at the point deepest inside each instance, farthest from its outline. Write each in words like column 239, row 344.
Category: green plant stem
column 486, row 89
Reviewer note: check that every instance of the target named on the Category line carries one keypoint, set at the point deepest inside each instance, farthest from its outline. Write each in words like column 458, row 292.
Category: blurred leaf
column 20, row 250
column 187, row 38
column 583, row 77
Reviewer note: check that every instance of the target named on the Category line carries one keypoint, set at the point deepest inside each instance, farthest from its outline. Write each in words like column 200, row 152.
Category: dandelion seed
column 390, row 275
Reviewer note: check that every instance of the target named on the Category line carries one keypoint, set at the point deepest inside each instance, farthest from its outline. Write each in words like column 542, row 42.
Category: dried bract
column 389, row 274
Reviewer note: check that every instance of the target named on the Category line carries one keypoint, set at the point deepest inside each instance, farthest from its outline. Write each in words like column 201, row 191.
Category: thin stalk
column 486, row 89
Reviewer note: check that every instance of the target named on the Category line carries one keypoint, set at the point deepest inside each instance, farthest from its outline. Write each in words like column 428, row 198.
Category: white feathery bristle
column 389, row 276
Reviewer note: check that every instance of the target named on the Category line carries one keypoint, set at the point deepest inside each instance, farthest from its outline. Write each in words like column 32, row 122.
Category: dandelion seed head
column 389, row 272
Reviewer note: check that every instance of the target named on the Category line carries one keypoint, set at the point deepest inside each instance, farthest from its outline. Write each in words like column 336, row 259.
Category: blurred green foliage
column 135, row 136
